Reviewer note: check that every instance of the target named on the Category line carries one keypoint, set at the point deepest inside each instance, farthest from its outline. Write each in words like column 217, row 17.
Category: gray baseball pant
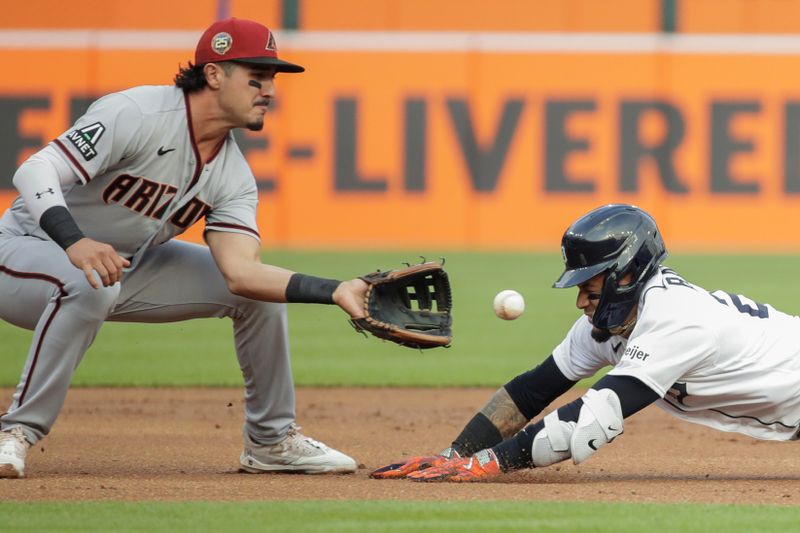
column 42, row 291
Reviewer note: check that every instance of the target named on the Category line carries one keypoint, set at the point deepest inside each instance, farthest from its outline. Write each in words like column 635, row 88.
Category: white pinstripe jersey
column 716, row 359
column 138, row 165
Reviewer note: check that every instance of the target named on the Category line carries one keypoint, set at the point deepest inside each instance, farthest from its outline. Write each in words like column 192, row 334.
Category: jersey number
column 742, row 303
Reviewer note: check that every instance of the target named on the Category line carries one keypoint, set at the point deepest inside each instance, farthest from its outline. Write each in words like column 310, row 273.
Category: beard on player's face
column 256, row 125
column 600, row 335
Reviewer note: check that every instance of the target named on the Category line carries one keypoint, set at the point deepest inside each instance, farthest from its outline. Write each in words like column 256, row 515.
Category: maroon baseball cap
column 244, row 41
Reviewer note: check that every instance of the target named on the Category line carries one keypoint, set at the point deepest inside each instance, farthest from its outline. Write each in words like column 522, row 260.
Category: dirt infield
column 183, row 444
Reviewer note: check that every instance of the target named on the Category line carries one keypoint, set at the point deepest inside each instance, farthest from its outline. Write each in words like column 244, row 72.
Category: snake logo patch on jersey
column 221, row 43
column 85, row 139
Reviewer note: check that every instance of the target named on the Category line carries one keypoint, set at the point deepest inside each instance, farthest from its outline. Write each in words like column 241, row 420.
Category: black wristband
column 58, row 223
column 310, row 289
column 515, row 453
column 478, row 434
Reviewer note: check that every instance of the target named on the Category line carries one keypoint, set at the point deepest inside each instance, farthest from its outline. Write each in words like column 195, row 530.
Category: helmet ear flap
column 613, row 307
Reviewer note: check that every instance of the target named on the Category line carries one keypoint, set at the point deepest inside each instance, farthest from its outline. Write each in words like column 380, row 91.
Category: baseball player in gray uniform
column 712, row 358
column 89, row 239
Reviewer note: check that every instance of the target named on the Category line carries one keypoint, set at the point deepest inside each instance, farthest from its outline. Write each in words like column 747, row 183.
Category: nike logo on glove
column 161, row 150
column 591, row 444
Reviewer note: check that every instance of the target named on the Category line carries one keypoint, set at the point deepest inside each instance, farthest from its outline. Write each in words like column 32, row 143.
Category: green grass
column 345, row 516
column 486, row 351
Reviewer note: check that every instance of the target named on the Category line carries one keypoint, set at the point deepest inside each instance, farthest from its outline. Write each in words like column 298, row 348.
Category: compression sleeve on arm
column 39, row 181
column 536, row 389
column 634, row 395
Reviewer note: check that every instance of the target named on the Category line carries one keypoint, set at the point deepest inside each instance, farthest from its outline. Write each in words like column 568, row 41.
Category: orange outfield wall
column 480, row 15
column 490, row 150
column 379, row 15
column 691, row 16
column 138, row 15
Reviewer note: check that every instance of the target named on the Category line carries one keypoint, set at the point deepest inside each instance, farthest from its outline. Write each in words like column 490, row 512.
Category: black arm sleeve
column 536, row 389
column 515, row 452
column 633, row 394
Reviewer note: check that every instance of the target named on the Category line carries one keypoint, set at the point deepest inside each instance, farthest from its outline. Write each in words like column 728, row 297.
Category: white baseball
column 508, row 304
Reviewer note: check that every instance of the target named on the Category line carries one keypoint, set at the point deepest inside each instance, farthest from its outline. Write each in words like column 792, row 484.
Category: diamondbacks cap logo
column 271, row 43
column 221, row 43
column 85, row 139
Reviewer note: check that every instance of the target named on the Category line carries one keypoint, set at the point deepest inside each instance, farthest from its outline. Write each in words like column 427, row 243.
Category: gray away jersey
column 141, row 180
column 717, row 359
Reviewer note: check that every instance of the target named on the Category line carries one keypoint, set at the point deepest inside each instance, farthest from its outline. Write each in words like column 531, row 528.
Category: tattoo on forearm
column 503, row 413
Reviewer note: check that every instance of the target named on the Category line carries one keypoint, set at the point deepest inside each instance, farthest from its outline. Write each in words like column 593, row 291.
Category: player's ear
column 213, row 73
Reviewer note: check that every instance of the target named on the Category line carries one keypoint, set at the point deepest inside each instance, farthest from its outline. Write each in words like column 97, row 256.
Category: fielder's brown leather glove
column 409, row 306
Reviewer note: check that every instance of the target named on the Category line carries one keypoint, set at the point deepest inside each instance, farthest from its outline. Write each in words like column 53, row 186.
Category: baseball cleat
column 296, row 453
column 13, row 449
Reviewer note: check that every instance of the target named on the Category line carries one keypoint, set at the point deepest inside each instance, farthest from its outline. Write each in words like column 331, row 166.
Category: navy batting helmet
column 617, row 239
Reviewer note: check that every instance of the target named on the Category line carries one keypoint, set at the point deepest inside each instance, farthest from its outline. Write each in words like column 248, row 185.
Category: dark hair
column 192, row 78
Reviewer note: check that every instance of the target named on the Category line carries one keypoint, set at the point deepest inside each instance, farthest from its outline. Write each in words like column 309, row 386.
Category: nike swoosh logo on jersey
column 161, row 150
column 616, row 348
